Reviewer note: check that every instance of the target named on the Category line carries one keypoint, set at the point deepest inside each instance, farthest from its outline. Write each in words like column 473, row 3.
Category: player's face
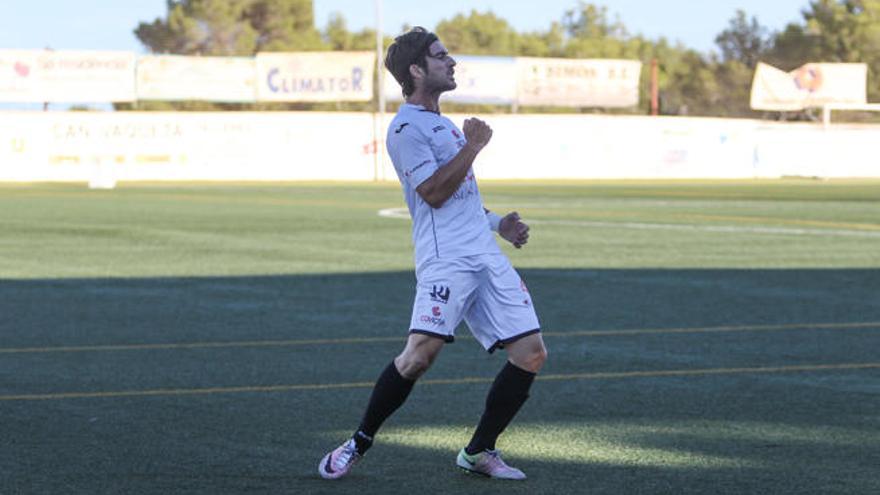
column 440, row 75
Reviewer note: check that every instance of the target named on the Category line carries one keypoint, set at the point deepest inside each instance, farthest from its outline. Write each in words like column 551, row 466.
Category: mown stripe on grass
column 443, row 381
column 835, row 229
column 202, row 345
column 202, row 198
column 734, row 229
column 401, row 338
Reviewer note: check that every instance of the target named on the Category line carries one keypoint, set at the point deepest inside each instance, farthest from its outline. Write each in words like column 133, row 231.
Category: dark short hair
column 408, row 49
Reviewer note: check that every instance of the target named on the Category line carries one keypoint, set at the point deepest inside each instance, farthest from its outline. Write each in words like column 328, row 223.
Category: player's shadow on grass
column 776, row 433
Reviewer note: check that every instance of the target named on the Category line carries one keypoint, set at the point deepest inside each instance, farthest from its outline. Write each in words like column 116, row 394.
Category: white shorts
column 484, row 290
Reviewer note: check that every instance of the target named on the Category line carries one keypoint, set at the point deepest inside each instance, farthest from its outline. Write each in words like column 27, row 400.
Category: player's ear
column 416, row 72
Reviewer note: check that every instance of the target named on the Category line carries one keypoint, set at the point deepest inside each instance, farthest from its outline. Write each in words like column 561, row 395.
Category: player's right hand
column 477, row 132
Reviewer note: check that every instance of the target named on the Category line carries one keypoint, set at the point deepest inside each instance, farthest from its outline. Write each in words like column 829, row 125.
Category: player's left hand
column 514, row 230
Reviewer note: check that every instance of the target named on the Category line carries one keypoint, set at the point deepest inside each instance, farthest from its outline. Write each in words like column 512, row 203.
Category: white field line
column 402, row 213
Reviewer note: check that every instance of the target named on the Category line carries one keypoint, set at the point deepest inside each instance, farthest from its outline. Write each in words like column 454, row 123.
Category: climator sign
column 315, row 76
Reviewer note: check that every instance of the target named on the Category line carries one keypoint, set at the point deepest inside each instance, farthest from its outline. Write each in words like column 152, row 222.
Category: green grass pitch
column 705, row 337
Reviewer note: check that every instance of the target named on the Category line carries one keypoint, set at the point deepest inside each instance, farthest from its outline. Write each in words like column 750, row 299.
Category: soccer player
column 461, row 272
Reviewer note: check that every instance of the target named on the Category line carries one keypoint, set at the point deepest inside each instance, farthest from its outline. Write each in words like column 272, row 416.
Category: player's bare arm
column 446, row 180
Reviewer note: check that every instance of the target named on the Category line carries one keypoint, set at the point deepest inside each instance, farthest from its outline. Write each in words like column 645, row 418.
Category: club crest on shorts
column 440, row 294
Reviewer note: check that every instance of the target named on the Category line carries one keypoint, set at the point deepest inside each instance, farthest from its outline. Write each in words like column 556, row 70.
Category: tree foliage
column 478, row 34
column 338, row 37
column 744, row 40
column 835, row 31
column 232, row 27
column 692, row 83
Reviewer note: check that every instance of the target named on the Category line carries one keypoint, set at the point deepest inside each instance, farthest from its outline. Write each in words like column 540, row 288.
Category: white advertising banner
column 173, row 77
column 811, row 85
column 75, row 146
column 490, row 80
column 315, row 76
column 578, row 82
column 120, row 146
column 66, row 76
column 529, row 146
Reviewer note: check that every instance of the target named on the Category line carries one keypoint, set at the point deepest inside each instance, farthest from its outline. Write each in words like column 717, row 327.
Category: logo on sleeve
column 456, row 134
column 439, row 128
column 409, row 172
column 399, row 129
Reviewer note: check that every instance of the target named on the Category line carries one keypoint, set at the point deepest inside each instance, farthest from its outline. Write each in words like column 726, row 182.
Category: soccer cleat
column 488, row 463
column 338, row 463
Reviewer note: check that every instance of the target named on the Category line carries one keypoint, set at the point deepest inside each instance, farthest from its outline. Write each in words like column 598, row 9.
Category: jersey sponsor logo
column 433, row 320
column 462, row 193
column 439, row 128
column 466, row 189
column 399, row 129
column 436, row 311
column 440, row 294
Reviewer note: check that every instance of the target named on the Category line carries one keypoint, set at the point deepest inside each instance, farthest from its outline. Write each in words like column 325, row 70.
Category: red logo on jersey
column 456, row 134
column 436, row 310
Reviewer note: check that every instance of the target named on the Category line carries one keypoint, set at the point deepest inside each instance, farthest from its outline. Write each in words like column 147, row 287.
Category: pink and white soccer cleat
column 338, row 463
column 488, row 463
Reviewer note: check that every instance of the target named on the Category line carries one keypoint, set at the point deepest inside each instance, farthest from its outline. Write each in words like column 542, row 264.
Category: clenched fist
column 514, row 230
column 477, row 132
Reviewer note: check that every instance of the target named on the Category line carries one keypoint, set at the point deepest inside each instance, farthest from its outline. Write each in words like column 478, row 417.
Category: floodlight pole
column 379, row 121
column 655, row 88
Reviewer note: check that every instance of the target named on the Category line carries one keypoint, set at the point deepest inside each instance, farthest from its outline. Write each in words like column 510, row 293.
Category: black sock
column 389, row 393
column 362, row 442
column 508, row 393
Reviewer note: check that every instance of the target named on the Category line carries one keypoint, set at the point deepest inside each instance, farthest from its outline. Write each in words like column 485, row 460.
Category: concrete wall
column 76, row 146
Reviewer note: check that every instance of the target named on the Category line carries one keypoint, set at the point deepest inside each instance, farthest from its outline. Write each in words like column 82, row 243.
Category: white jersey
column 420, row 142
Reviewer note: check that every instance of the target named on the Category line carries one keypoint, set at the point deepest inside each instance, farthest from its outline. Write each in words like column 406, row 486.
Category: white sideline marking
column 713, row 228
column 402, row 213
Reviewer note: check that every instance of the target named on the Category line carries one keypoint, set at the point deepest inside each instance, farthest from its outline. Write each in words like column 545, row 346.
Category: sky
column 108, row 24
